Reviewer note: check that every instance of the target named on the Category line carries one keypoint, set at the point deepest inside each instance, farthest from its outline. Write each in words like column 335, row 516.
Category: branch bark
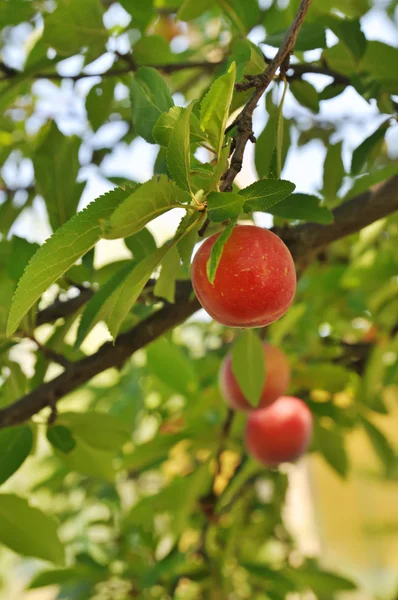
column 244, row 121
column 9, row 73
column 304, row 242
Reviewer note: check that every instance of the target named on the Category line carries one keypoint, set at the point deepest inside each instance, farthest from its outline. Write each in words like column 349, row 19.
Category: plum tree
column 276, row 381
column 255, row 281
column 280, row 432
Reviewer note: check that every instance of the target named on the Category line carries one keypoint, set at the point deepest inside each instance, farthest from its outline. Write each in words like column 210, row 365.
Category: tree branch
column 9, row 73
column 60, row 309
column 244, row 121
column 304, row 241
column 372, row 205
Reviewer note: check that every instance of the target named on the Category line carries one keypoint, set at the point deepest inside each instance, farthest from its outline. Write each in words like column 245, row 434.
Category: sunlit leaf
column 150, row 97
column 60, row 252
column 148, row 201
column 28, row 531
column 214, row 109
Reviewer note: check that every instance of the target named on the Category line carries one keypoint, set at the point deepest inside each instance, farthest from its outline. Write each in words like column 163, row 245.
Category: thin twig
column 244, row 122
column 52, row 355
column 9, row 73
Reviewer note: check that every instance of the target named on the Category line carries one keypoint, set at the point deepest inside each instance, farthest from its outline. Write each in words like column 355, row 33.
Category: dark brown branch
column 298, row 70
column 244, row 121
column 116, row 72
column 60, row 309
column 53, row 356
column 376, row 203
column 63, row 308
column 262, row 81
column 108, row 356
column 304, row 241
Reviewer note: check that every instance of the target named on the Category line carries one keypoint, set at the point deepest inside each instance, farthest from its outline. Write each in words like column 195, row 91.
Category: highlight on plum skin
column 255, row 281
column 280, row 432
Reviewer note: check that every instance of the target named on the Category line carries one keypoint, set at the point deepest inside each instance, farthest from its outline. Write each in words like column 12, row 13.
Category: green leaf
column 248, row 365
column 311, row 36
column 340, row 59
column 219, row 169
column 168, row 362
column 305, row 94
column 89, row 460
column 364, row 182
column 75, row 25
column 372, row 382
column 56, row 166
column 274, row 580
column 263, row 194
column 381, row 60
column 217, row 250
column 13, row 12
column 266, row 144
column 214, row 109
column 361, row 154
column 302, row 207
column 61, row 438
column 15, row 446
column 150, row 97
column 241, row 56
column 60, row 252
column 322, row 375
column 320, row 581
column 14, row 386
column 191, row 9
column 331, row 91
column 151, row 454
column 141, row 12
column 126, row 294
column 248, row 58
column 144, row 204
column 286, row 324
column 179, row 150
column 244, row 14
column 165, row 124
column 330, row 443
column 224, row 205
column 279, row 131
column 141, row 243
column 10, row 90
column 99, row 305
column 21, row 252
column 349, row 32
column 28, row 531
column 350, row 8
column 99, row 430
column 153, row 50
column 186, row 245
column 165, row 286
column 178, row 499
column 99, row 102
column 333, row 172
column 381, row 445
column 63, row 577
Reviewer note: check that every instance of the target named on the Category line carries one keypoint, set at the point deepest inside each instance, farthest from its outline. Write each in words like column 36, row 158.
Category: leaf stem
column 279, row 131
